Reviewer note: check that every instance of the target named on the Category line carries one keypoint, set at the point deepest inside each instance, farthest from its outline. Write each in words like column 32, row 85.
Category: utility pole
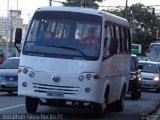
column 50, row 2
column 7, row 31
column 126, row 10
column 29, row 16
column 11, row 31
column 17, row 5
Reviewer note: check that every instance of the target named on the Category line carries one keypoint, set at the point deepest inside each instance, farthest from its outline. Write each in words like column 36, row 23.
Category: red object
column 90, row 41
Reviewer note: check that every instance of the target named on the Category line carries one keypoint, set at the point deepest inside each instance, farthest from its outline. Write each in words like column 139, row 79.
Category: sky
column 28, row 7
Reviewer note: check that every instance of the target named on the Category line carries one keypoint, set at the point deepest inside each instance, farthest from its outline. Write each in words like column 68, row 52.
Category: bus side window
column 114, row 42
column 107, row 39
column 126, row 40
column 121, row 42
column 123, row 47
column 118, row 38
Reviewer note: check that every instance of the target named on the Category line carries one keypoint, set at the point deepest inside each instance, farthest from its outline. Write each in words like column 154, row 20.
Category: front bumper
column 8, row 86
column 150, row 84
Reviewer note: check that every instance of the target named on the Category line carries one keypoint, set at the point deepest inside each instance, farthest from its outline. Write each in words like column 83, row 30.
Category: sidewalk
column 154, row 116
column 158, row 113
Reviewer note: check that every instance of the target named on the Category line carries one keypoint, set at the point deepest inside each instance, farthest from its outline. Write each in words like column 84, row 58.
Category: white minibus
column 84, row 63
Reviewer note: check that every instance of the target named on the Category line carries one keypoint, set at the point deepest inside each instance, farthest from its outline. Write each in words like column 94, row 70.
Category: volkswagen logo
column 56, row 78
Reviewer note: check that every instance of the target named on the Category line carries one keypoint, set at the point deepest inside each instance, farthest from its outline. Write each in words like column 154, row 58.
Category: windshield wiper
column 70, row 48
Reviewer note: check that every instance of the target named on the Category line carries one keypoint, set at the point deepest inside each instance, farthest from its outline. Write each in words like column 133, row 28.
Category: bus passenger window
column 114, row 41
column 118, row 38
column 107, row 39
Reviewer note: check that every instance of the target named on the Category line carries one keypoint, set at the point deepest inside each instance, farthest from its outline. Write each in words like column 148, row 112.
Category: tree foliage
column 1, row 39
column 143, row 22
column 82, row 3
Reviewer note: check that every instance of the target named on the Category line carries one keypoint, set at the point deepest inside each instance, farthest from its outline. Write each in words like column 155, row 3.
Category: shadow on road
column 8, row 94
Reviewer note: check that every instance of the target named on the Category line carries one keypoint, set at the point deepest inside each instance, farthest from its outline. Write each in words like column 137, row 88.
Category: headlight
column 88, row 76
column 28, row 71
column 156, row 78
column 139, row 78
column 25, row 70
column 81, row 78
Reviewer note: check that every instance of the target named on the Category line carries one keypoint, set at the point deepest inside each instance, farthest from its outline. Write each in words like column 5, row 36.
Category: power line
column 124, row 6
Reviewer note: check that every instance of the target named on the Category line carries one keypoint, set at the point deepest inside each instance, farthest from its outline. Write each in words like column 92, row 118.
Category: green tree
column 144, row 24
column 1, row 39
column 1, row 43
column 147, row 23
column 82, row 3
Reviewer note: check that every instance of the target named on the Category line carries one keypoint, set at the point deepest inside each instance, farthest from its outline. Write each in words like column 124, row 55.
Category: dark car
column 9, row 75
column 1, row 58
column 135, row 78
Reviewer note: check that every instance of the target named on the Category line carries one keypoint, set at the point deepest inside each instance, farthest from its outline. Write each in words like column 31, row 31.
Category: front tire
column 98, row 111
column 158, row 90
column 139, row 94
column 134, row 95
column 31, row 104
column 119, row 105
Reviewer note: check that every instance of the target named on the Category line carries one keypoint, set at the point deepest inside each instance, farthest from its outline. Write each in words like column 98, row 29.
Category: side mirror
column 140, row 67
column 18, row 36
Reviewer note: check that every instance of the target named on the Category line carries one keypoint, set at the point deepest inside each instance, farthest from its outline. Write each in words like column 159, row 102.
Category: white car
column 150, row 75
column 9, row 75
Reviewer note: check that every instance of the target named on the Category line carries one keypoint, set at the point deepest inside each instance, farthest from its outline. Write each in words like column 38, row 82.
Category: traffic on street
column 80, row 60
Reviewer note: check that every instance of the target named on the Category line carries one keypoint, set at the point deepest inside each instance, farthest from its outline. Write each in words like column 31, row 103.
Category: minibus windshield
column 67, row 35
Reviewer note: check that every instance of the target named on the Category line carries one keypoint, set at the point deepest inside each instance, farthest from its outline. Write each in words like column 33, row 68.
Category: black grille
column 10, row 78
column 147, row 79
column 44, row 88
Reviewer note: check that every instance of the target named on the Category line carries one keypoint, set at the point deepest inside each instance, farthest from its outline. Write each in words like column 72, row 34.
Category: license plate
column 11, row 85
column 8, row 84
column 55, row 94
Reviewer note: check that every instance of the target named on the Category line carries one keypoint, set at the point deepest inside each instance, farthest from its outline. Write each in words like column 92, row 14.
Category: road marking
column 7, row 108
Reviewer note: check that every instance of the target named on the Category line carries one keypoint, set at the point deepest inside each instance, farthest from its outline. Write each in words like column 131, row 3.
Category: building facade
column 7, row 30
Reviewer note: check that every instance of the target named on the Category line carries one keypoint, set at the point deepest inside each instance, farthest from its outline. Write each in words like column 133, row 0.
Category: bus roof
column 108, row 16
column 156, row 43
column 137, row 44
column 151, row 62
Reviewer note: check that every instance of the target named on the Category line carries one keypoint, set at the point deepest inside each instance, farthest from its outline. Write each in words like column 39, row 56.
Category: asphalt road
column 13, row 106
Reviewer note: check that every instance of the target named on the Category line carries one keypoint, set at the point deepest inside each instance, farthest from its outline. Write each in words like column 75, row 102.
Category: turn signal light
column 19, row 70
column 96, row 77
